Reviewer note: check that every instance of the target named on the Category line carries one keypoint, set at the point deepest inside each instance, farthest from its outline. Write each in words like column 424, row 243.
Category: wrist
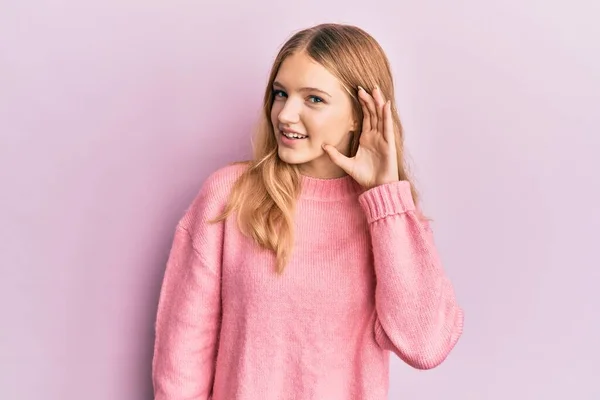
column 384, row 181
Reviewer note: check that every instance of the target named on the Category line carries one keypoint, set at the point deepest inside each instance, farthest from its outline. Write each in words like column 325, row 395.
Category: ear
column 353, row 127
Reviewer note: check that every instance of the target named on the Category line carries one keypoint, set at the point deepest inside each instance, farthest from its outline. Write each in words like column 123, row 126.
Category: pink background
column 113, row 112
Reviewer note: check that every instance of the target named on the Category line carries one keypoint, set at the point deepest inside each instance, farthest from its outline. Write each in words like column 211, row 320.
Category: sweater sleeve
column 418, row 317
column 189, row 312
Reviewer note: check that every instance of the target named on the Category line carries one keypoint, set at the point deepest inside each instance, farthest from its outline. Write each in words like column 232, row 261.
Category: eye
column 279, row 93
column 315, row 99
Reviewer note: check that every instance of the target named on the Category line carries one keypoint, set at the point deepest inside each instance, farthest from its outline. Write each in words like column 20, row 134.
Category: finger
column 379, row 104
column 366, row 125
column 388, row 129
column 371, row 106
column 338, row 158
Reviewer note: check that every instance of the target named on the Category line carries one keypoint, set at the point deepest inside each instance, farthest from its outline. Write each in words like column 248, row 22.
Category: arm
column 188, row 317
column 418, row 317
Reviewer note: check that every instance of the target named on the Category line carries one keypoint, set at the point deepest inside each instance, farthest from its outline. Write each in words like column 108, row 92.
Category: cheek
column 327, row 127
column 275, row 109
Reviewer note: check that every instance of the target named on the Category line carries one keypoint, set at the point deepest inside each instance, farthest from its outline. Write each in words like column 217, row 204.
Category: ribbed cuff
column 386, row 200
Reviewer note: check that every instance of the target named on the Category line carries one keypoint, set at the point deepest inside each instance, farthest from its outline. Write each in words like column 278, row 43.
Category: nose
column 290, row 113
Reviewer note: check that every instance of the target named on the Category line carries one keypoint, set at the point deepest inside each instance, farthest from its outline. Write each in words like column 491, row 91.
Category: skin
column 311, row 101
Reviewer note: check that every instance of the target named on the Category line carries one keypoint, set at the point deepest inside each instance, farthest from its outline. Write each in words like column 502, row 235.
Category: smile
column 293, row 135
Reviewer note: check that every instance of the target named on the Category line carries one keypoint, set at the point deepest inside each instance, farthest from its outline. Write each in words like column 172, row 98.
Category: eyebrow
column 303, row 89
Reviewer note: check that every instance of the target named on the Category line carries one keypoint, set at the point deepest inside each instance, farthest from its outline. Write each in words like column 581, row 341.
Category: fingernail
column 360, row 88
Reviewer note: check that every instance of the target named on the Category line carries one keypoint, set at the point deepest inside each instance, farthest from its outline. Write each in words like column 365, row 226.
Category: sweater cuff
column 386, row 200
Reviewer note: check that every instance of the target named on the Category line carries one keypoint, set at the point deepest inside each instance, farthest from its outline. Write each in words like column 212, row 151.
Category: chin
column 293, row 157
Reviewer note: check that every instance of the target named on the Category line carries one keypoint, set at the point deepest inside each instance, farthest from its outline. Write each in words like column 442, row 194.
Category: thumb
column 338, row 158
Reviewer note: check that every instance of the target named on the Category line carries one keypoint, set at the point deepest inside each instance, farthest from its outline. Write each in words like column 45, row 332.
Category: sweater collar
column 329, row 189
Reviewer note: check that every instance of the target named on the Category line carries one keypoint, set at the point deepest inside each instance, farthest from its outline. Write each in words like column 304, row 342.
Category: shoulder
column 218, row 184
column 212, row 196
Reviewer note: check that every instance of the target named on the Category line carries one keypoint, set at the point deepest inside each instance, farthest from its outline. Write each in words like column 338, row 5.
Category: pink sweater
column 364, row 279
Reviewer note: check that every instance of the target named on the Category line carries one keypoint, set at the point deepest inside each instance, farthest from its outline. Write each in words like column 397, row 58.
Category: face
column 310, row 108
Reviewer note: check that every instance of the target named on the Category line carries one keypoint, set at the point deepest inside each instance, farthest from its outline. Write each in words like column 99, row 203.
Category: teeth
column 293, row 135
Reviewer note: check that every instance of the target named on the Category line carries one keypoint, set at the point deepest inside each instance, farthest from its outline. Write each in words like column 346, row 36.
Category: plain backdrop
column 113, row 112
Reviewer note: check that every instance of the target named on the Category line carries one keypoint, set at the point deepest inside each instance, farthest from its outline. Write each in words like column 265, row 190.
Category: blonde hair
column 264, row 196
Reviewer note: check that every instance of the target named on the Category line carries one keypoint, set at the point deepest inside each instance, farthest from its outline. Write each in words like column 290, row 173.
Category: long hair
column 265, row 194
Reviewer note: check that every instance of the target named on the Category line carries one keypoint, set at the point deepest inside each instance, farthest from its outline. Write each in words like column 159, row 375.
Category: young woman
column 293, row 275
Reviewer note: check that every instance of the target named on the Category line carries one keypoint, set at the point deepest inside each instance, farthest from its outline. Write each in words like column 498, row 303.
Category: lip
column 287, row 141
column 287, row 130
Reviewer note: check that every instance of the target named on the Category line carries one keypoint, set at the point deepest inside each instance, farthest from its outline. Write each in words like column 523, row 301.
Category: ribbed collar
column 329, row 189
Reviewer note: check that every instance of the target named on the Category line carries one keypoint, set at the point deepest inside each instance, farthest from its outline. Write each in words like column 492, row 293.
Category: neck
column 322, row 168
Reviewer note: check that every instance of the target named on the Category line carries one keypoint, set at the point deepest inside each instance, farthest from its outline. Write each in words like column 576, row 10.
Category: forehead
column 299, row 70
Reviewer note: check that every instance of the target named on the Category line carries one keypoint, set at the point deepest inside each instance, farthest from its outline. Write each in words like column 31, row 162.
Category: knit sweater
column 364, row 280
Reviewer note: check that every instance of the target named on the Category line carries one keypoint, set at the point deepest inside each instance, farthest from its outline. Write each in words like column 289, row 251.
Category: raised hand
column 376, row 161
